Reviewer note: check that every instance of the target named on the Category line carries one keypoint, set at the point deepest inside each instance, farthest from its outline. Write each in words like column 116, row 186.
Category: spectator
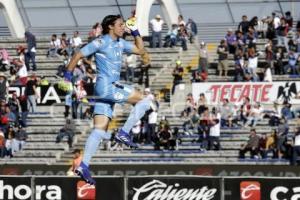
column 31, row 93
column 76, row 162
column 12, row 118
column 157, row 25
column 54, row 46
column 245, row 109
column 177, row 74
column 20, row 138
column 226, row 114
column 203, row 58
column 269, row 51
column 253, row 22
column 292, row 63
column 64, row 49
column 95, row 32
column 181, row 22
column 4, row 60
column 254, row 115
column 244, row 25
column 286, row 111
column 80, row 95
column 204, row 126
column 76, row 42
column 252, row 145
column 24, row 110
column 191, row 29
column 270, row 30
column 182, row 37
column 282, row 31
column 9, row 142
column 69, row 131
column 252, row 64
column 251, row 38
column 172, row 36
column 3, row 87
column 283, row 130
column 279, row 56
column 163, row 123
column 202, row 103
column 270, row 145
column 14, row 104
column 20, row 66
column 222, row 51
column 186, row 122
column 164, row 137
column 131, row 64
column 263, row 145
column 289, row 19
column 190, row 103
column 145, row 65
column 241, row 41
column 276, row 22
column 239, row 64
column 2, row 144
column 231, row 41
column 214, row 131
column 262, row 27
column 31, row 50
column 296, row 147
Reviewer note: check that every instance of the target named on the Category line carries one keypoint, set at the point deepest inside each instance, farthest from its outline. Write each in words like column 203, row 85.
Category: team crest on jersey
column 118, row 96
column 98, row 42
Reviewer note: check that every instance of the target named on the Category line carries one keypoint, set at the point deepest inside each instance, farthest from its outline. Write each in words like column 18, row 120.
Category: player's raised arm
column 87, row 50
column 138, row 48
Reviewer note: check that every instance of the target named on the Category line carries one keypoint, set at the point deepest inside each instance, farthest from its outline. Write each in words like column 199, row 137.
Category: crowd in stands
column 281, row 57
column 199, row 118
column 181, row 32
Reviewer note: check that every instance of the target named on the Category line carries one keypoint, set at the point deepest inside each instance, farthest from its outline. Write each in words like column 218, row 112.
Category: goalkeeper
column 108, row 50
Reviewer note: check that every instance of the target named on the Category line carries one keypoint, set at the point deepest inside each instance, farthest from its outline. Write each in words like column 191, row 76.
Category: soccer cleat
column 84, row 173
column 124, row 138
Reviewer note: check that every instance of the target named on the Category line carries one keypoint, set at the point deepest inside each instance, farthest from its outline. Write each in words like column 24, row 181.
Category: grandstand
column 41, row 154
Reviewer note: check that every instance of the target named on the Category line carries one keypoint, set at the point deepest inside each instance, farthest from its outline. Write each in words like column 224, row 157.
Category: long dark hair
column 109, row 20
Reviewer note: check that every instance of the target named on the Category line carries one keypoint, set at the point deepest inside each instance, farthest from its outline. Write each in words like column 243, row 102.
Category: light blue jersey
column 108, row 56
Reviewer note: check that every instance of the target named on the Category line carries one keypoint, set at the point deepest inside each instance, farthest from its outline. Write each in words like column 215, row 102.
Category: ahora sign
column 24, row 192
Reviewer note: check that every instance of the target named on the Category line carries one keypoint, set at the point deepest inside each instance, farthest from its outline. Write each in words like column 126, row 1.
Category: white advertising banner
column 235, row 92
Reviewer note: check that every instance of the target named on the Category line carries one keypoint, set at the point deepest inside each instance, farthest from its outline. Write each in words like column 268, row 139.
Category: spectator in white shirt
column 76, row 41
column 255, row 115
column 214, row 131
column 157, row 25
column 54, row 46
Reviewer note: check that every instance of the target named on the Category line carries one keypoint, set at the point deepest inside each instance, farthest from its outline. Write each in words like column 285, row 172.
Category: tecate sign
column 157, row 190
column 23, row 192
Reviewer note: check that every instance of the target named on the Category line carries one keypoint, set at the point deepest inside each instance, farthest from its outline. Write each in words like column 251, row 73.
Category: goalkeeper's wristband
column 135, row 33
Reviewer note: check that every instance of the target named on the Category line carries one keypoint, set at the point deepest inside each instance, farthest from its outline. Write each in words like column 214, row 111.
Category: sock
column 92, row 144
column 136, row 114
